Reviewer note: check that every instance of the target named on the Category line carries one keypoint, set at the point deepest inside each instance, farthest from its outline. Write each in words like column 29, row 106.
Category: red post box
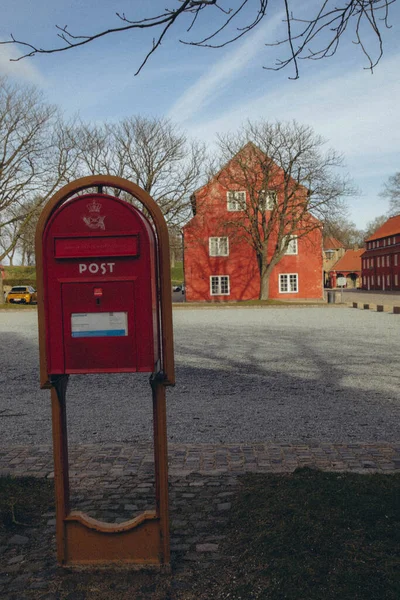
column 99, row 288
column 104, row 306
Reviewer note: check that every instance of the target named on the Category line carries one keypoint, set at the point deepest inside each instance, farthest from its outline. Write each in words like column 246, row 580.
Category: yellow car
column 22, row 294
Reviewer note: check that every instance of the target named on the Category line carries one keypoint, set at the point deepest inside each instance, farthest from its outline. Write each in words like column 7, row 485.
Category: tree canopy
column 312, row 32
column 391, row 191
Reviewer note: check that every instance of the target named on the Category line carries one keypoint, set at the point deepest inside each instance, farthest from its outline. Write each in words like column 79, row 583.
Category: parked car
column 22, row 294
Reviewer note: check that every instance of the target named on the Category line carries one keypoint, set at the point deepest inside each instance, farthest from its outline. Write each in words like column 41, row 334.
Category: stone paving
column 114, row 482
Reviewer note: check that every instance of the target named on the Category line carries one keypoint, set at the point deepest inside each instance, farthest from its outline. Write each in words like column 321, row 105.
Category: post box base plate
column 133, row 544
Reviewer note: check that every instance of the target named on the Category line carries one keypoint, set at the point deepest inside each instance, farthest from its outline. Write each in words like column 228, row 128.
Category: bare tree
column 314, row 36
column 97, row 150
column 158, row 157
column 290, row 186
column 341, row 228
column 36, row 156
column 391, row 191
column 373, row 225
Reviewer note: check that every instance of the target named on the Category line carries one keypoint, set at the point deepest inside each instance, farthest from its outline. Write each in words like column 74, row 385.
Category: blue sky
column 207, row 91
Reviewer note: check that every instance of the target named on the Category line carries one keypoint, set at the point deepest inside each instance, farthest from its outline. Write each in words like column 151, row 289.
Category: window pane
column 224, row 285
column 293, row 283
column 283, row 283
column 223, row 246
column 214, row 285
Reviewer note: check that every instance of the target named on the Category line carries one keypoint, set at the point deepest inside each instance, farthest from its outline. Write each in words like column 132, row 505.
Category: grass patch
column 177, row 273
column 23, row 500
column 314, row 535
column 23, row 272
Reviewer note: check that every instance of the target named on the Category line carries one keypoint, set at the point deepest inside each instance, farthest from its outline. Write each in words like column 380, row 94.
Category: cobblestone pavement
column 114, row 482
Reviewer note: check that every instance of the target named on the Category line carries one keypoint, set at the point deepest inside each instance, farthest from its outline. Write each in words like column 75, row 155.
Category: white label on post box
column 109, row 324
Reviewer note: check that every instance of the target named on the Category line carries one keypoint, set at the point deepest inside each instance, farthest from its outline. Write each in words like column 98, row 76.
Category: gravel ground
column 243, row 375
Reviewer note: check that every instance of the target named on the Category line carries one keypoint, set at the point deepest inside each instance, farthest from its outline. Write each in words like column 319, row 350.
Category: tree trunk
column 264, row 284
column 1, row 290
column 265, row 272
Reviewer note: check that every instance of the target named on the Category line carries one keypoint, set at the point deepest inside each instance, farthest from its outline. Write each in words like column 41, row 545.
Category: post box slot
column 88, row 247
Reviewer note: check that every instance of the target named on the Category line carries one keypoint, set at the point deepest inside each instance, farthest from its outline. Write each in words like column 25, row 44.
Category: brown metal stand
column 84, row 541
column 161, row 462
column 60, row 454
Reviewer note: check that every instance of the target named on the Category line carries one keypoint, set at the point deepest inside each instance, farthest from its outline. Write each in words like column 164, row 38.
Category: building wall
column 214, row 220
column 381, row 264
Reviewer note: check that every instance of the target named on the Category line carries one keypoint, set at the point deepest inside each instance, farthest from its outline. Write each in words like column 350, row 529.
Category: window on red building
column 268, row 199
column 218, row 246
column 292, row 246
column 288, row 283
column 219, row 285
column 235, row 201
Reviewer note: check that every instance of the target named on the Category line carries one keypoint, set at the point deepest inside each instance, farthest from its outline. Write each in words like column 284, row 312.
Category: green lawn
column 177, row 273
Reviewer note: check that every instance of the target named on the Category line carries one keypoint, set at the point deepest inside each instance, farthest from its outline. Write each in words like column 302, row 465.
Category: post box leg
column 60, row 454
column 161, row 464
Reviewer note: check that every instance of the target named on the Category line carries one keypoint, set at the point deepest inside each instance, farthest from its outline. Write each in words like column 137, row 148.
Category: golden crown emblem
column 93, row 207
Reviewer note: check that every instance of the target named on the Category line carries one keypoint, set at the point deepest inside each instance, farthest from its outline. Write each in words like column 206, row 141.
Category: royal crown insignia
column 93, row 206
column 94, row 220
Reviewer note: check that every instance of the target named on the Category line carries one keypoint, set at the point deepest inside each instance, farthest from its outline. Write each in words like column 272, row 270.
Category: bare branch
column 324, row 28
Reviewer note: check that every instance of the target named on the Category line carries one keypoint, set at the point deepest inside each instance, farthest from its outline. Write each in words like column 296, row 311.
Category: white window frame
column 395, row 260
column 288, row 278
column 388, row 260
column 235, row 200
column 219, row 285
column 295, row 250
column 214, row 246
column 387, row 279
column 379, row 280
column 396, row 279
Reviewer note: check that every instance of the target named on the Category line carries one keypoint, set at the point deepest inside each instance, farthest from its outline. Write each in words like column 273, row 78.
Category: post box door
column 99, row 327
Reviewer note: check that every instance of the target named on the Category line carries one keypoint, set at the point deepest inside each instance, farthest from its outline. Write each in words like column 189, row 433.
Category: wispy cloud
column 221, row 74
column 356, row 112
column 23, row 69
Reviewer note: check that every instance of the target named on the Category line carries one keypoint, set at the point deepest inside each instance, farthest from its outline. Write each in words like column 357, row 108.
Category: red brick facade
column 381, row 259
column 221, row 265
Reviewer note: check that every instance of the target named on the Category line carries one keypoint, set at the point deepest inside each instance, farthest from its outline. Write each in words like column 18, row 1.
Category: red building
column 381, row 258
column 219, row 260
column 349, row 266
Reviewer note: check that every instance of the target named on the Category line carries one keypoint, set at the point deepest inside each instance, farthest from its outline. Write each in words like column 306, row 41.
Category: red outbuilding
column 381, row 258
column 220, row 261
column 349, row 267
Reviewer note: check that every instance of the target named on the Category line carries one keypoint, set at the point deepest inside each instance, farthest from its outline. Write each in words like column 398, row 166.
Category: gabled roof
column 246, row 148
column 390, row 227
column 331, row 243
column 350, row 261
